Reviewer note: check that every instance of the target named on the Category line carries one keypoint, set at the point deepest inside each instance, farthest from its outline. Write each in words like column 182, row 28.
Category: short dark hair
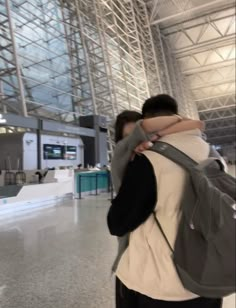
column 124, row 118
column 162, row 104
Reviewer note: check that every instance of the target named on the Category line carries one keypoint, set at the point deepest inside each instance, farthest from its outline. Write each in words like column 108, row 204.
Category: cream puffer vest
column 146, row 266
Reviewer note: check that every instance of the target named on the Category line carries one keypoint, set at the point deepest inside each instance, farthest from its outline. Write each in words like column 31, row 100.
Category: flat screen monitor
column 69, row 152
column 52, row 151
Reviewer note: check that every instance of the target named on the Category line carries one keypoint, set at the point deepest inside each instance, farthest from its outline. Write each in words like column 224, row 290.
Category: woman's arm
column 159, row 123
column 142, row 133
column 184, row 125
column 123, row 152
column 125, row 148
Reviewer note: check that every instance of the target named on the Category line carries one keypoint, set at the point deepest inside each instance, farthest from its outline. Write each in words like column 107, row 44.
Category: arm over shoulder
column 123, row 152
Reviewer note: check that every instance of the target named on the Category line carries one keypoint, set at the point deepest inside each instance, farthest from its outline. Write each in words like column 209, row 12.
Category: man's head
column 159, row 105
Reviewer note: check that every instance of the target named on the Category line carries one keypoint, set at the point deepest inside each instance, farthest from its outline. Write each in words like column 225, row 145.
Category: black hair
column 162, row 104
column 124, row 118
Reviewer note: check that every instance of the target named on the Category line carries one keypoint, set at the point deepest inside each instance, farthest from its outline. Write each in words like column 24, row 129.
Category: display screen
column 52, row 151
column 69, row 152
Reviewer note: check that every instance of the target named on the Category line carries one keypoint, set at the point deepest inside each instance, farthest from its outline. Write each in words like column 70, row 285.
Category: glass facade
column 61, row 59
column 64, row 59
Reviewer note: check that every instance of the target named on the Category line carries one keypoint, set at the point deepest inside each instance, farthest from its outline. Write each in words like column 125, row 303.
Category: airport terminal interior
column 67, row 69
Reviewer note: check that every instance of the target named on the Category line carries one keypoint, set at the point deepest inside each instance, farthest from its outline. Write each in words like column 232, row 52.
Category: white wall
column 30, row 151
column 48, row 139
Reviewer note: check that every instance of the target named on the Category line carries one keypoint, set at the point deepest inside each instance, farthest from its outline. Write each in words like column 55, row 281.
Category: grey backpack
column 205, row 248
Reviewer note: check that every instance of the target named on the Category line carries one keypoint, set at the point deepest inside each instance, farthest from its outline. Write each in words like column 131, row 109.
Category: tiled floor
column 59, row 257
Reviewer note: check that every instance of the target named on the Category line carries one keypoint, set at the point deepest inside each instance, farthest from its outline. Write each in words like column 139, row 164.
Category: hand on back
column 146, row 145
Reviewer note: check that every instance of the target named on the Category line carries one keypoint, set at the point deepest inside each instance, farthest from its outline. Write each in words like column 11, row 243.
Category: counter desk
column 58, row 184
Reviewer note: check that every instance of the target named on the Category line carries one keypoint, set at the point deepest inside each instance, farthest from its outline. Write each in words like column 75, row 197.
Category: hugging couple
column 147, row 182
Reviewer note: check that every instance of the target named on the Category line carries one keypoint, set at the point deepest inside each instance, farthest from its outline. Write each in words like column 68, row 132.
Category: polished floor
column 59, row 257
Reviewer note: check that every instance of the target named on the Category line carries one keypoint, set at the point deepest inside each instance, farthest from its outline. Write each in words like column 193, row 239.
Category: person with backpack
column 148, row 206
column 133, row 134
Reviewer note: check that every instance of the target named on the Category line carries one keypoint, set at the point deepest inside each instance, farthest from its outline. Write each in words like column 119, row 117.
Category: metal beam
column 208, row 67
column 217, row 108
column 15, row 56
column 217, row 123
column 53, row 126
column 20, row 121
column 223, row 137
column 199, row 20
column 190, row 11
column 212, row 97
column 219, row 118
column 205, row 46
column 154, row 10
column 226, row 131
column 213, row 84
column 220, row 128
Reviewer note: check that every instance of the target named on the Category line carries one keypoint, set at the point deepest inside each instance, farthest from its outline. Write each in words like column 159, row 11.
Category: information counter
column 58, row 184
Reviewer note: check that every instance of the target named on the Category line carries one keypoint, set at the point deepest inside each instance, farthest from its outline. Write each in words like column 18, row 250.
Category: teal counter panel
column 89, row 179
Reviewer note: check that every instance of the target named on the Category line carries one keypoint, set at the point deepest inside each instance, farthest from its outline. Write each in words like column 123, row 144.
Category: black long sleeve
column 136, row 198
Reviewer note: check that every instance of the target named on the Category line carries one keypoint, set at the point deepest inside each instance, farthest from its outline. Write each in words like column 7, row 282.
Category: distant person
column 40, row 176
column 146, row 275
column 80, row 166
column 105, row 167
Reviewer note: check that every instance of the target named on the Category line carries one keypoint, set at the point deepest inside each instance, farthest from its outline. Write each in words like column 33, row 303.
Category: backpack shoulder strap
column 174, row 155
column 162, row 232
column 214, row 158
column 213, row 153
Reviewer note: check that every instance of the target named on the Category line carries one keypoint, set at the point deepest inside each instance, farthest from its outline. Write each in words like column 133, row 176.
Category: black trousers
column 126, row 298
